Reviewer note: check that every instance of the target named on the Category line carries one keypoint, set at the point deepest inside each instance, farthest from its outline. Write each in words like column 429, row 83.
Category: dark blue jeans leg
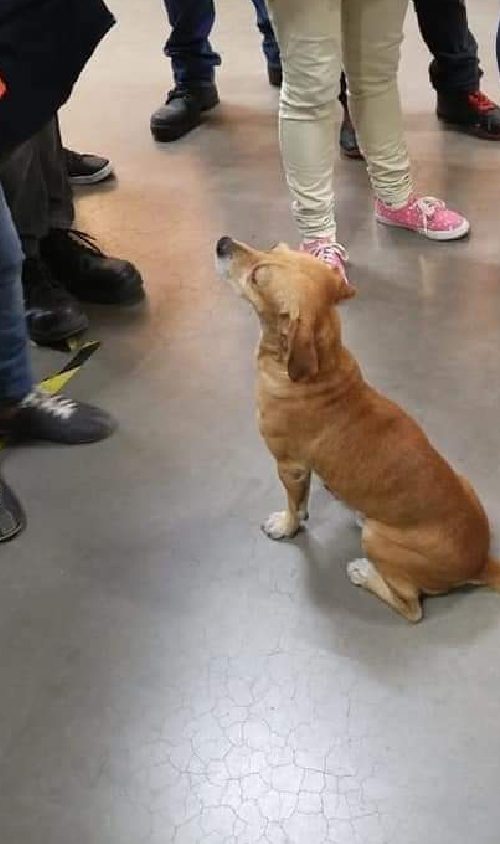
column 445, row 29
column 16, row 379
column 497, row 45
column 269, row 43
column 193, row 59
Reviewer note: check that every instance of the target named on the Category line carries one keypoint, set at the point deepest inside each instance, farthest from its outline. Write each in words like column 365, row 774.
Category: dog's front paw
column 359, row 519
column 359, row 571
column 280, row 525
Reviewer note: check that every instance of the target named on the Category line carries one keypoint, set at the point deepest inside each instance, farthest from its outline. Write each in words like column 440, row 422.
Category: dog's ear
column 299, row 344
column 343, row 289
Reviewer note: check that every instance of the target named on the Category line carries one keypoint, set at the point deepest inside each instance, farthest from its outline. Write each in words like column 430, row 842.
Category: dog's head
column 294, row 296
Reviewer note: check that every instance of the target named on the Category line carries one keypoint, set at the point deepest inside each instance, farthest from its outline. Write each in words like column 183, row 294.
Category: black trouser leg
column 445, row 30
column 36, row 187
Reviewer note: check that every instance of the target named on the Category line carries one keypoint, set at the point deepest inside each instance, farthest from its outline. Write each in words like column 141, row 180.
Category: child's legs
column 372, row 36
column 309, row 36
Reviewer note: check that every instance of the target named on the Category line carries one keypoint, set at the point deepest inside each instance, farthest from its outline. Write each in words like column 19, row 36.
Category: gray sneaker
column 86, row 169
column 57, row 419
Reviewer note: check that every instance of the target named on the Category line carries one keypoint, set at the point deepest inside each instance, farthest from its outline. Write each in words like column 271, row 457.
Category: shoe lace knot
column 328, row 251
column 428, row 205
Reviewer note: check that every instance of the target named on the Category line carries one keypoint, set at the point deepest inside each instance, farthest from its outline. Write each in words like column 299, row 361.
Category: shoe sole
column 93, row 178
column 166, row 135
column 60, row 336
column 21, row 437
column 466, row 129
column 456, row 234
column 129, row 302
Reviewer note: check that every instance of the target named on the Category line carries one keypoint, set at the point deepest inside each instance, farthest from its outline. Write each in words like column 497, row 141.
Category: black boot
column 88, row 274
column 51, row 313
column 275, row 75
column 473, row 113
column 348, row 141
column 182, row 111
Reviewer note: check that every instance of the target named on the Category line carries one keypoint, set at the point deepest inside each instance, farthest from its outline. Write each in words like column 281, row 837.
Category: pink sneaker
column 426, row 215
column 325, row 249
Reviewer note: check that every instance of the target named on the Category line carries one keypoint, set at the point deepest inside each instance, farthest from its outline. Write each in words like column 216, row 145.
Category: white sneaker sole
column 452, row 234
column 93, row 178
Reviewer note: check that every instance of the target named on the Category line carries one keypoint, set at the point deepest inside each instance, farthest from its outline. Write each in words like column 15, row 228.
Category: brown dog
column 424, row 531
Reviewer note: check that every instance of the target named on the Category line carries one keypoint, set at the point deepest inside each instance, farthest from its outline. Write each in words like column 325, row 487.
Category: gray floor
column 167, row 674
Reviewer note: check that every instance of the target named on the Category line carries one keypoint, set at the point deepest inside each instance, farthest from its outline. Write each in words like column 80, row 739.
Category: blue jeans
column 193, row 59
column 16, row 379
column 498, row 45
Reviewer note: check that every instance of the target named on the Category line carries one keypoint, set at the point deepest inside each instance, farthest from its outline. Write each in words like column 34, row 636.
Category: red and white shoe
column 425, row 215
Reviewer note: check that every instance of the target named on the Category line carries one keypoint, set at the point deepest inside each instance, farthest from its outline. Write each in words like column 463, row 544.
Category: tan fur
column 425, row 531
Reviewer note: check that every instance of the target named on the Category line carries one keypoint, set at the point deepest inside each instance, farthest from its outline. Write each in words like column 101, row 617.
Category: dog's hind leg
column 296, row 479
column 387, row 571
column 363, row 573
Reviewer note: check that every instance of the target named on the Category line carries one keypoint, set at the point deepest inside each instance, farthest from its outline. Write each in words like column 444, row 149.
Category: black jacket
column 44, row 46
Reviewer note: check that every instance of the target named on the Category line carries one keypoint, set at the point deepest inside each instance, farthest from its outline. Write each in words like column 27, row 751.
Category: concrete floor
column 167, row 674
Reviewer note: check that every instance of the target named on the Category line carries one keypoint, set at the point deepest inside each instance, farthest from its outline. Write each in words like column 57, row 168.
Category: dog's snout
column 224, row 247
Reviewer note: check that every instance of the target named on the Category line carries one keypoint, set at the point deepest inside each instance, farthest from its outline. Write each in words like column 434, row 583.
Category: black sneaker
column 348, row 141
column 87, row 273
column 473, row 113
column 275, row 75
column 51, row 313
column 12, row 516
column 84, row 169
column 55, row 419
column 182, row 112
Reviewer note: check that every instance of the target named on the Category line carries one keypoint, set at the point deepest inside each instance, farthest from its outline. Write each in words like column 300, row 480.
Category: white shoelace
column 428, row 205
column 57, row 406
column 328, row 252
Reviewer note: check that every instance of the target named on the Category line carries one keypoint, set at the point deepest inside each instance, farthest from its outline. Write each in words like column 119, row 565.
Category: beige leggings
column 316, row 38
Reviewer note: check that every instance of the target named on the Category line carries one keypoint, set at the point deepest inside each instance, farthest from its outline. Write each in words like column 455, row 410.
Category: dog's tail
column 490, row 575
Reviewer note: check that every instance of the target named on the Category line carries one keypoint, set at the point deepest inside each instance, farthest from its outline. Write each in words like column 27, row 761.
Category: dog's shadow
column 333, row 538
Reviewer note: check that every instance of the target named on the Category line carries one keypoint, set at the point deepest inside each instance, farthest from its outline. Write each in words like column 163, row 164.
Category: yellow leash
column 57, row 382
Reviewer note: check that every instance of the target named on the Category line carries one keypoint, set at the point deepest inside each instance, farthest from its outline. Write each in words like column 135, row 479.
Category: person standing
column 62, row 267
column 194, row 62
column 455, row 74
column 455, row 71
column 36, row 79
column 27, row 413
column 315, row 40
